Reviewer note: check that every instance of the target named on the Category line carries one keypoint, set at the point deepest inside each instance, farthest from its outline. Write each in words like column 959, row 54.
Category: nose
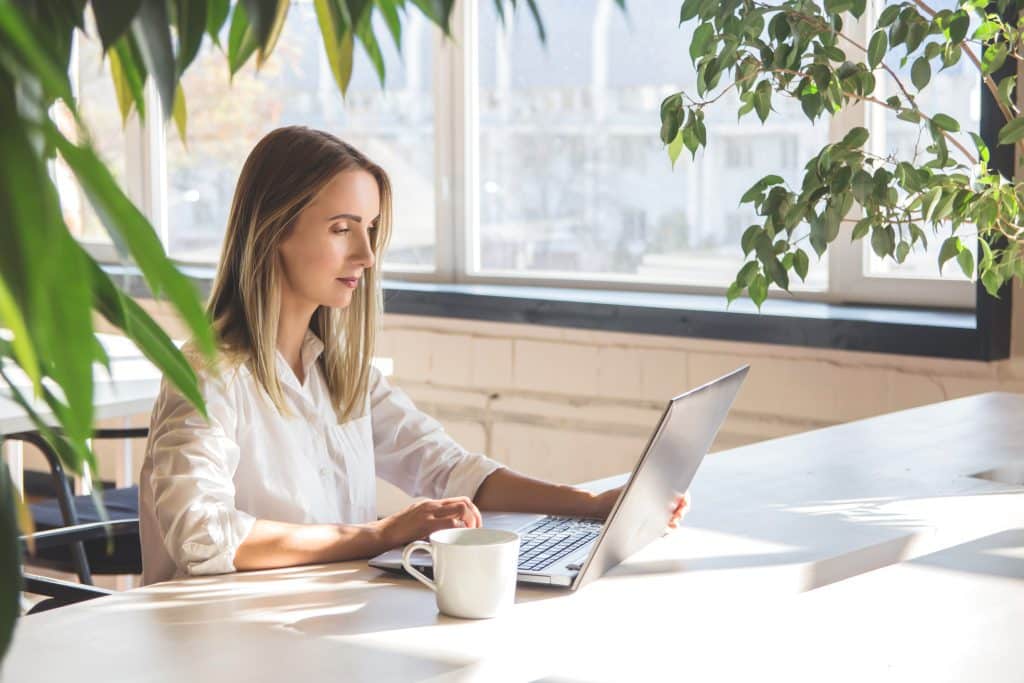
column 363, row 255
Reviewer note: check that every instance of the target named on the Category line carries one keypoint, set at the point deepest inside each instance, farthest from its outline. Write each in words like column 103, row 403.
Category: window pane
column 97, row 103
column 395, row 128
column 574, row 180
column 891, row 136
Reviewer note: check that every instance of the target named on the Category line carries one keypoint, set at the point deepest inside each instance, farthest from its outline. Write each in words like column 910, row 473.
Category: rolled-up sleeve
column 413, row 451
column 193, row 462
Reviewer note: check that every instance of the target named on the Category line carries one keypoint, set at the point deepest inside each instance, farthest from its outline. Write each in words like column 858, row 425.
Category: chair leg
column 64, row 498
column 58, row 592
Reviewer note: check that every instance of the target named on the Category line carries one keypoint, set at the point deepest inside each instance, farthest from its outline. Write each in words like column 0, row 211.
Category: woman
column 300, row 423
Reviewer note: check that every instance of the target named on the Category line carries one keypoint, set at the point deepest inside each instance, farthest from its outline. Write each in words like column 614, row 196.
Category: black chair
column 87, row 551
column 60, row 593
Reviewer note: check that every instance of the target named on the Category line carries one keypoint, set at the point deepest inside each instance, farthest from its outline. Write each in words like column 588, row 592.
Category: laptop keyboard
column 550, row 539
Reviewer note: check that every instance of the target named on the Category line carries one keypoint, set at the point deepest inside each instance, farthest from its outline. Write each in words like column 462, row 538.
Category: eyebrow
column 351, row 216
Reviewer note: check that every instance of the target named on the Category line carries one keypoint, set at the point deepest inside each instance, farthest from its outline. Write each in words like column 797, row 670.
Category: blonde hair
column 282, row 175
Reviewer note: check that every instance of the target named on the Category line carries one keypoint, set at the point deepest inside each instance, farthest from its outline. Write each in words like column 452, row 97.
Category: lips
column 350, row 282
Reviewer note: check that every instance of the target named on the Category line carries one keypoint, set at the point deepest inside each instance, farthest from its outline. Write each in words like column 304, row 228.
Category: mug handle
column 417, row 574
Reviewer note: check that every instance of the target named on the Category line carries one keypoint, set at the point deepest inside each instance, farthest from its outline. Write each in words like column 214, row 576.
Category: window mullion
column 844, row 256
column 445, row 160
column 463, row 124
column 152, row 165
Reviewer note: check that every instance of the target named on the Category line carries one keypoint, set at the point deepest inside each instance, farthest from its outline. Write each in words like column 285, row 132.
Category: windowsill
column 901, row 330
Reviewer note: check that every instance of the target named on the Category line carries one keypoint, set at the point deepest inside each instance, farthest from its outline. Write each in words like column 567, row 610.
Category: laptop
column 571, row 552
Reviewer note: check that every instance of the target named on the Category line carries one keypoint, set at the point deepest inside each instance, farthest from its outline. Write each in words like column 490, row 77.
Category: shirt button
column 324, row 471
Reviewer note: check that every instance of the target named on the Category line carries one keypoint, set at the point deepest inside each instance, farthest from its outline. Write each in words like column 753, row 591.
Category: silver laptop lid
column 674, row 452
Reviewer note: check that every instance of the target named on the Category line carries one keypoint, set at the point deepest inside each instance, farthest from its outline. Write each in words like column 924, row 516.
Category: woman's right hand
column 424, row 517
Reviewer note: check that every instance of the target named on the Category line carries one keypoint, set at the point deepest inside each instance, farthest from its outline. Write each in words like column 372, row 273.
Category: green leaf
column 992, row 282
column 966, row 260
column 216, row 14
column 883, row 240
column 949, row 249
column 113, row 17
column 338, row 42
column 242, row 41
column 855, row 138
column 902, row 250
column 190, row 23
column 987, row 256
column 747, row 273
column 18, row 38
column 261, row 15
column 675, row 147
column 946, row 122
column 993, row 57
column 12, row 318
column 276, row 26
column 180, row 115
column 10, row 561
column 888, row 15
column 758, row 290
column 1012, row 132
column 389, row 9
column 535, row 13
column 689, row 10
column 438, row 11
column 861, row 228
column 958, row 27
column 699, row 41
column 801, row 264
column 364, row 32
column 877, row 48
column 733, row 293
column 127, row 78
column 908, row 115
column 152, row 32
column 749, row 238
column 762, row 100
column 920, row 73
column 917, row 234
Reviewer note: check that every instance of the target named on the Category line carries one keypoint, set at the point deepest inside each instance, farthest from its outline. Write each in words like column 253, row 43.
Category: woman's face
column 329, row 246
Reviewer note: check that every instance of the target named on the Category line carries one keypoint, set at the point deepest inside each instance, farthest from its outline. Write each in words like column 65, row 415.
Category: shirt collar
column 311, row 350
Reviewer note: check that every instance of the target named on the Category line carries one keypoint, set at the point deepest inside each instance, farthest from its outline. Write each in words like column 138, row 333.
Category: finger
column 473, row 511
column 459, row 510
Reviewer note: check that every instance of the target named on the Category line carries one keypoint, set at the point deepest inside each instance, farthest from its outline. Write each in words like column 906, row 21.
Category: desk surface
column 891, row 547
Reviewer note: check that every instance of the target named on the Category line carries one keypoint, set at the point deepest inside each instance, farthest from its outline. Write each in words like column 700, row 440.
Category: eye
column 339, row 229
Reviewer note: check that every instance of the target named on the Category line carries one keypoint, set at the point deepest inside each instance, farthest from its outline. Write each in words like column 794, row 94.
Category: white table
column 865, row 551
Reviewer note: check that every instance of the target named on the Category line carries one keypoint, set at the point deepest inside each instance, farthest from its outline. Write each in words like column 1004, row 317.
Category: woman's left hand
column 603, row 503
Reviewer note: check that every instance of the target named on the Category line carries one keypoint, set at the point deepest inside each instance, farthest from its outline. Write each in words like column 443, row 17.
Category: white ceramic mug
column 474, row 570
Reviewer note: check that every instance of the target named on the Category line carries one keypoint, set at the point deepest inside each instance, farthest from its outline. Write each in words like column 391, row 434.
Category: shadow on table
column 317, row 600
column 1000, row 555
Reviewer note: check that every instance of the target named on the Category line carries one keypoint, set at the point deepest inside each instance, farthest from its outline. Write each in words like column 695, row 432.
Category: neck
column 292, row 324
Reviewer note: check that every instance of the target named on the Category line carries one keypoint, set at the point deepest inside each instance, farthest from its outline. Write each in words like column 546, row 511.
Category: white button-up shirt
column 204, row 483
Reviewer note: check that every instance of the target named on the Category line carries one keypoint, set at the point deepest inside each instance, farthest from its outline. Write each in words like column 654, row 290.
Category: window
column 295, row 86
column 525, row 163
column 560, row 199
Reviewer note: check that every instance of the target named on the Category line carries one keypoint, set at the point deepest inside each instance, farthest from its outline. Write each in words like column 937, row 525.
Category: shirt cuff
column 466, row 477
column 236, row 526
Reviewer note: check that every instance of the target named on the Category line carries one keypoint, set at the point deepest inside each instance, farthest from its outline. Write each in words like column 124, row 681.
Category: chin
column 342, row 301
